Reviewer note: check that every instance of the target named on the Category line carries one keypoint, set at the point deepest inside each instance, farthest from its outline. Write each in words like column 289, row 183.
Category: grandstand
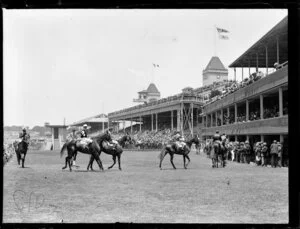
column 257, row 109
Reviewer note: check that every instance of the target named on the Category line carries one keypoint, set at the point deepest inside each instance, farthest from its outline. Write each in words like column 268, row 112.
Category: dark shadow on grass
column 87, row 171
column 179, row 169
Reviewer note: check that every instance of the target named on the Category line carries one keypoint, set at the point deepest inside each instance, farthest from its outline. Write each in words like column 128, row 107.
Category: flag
column 222, row 30
column 224, row 37
column 221, row 33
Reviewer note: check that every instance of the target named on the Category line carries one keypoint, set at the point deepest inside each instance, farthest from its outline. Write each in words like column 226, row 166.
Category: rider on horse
column 217, row 138
column 179, row 140
column 24, row 136
column 84, row 140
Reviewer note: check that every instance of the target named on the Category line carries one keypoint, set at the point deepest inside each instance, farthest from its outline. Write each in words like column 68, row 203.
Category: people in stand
column 274, row 153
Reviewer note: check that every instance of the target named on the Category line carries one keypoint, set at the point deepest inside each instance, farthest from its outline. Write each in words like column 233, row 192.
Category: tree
column 214, row 93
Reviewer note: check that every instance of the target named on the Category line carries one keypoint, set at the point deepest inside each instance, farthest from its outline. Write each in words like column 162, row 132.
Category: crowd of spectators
column 260, row 153
column 8, row 150
column 271, row 112
column 233, row 86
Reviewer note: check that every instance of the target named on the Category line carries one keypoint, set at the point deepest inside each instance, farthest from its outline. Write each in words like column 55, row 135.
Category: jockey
column 84, row 137
column 24, row 136
column 179, row 140
column 217, row 138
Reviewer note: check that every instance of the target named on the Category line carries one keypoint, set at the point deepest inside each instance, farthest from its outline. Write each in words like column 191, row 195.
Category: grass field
column 239, row 193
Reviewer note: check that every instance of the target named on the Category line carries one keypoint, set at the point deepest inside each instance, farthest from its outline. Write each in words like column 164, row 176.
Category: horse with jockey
column 21, row 146
column 218, row 149
column 178, row 145
column 111, row 147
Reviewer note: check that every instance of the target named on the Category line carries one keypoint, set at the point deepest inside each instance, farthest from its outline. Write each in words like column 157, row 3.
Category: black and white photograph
column 145, row 116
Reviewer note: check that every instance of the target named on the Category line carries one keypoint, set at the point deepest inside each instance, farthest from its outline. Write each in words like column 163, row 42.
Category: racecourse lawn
column 240, row 193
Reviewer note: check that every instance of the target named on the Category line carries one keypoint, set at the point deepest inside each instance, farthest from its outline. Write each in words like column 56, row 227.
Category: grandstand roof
column 248, row 59
column 94, row 119
column 152, row 88
column 215, row 64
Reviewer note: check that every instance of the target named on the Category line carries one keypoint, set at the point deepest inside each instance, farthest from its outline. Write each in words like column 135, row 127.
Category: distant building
column 214, row 72
column 59, row 134
column 149, row 95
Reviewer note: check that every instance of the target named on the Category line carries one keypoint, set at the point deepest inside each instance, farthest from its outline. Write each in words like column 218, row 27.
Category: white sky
column 78, row 63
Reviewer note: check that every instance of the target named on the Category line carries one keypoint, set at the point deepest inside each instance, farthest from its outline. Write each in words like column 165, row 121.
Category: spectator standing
column 274, row 153
column 247, row 152
column 258, row 149
column 279, row 154
column 264, row 151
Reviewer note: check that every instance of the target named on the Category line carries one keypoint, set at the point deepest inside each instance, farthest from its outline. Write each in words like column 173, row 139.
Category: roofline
column 256, row 43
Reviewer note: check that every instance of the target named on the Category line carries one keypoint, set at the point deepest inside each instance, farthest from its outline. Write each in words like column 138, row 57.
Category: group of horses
column 101, row 143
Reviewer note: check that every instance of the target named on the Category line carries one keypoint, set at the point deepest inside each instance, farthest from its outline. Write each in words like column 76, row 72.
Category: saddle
column 83, row 142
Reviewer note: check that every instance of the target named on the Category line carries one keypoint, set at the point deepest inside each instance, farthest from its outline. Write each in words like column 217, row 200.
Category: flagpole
column 215, row 51
column 152, row 74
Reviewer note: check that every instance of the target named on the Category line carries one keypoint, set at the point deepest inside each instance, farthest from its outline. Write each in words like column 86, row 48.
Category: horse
column 217, row 152
column 72, row 148
column 172, row 149
column 115, row 151
column 21, row 151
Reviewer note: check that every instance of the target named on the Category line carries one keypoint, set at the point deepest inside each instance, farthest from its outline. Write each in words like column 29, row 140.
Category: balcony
column 278, row 125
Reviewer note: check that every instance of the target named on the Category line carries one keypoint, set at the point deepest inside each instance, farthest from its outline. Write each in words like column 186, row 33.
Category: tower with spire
column 214, row 72
column 149, row 95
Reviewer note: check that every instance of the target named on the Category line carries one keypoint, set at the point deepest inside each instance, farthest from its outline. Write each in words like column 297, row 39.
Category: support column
column 228, row 113
column 247, row 110
column 103, row 127
column 266, row 60
column 262, row 138
column 124, row 126
column 211, row 120
column 108, row 124
column 280, row 102
column 222, row 117
column 242, row 73
column 234, row 74
column 249, row 67
column 235, row 138
column 151, row 122
column 281, row 138
column 178, row 120
column 140, row 123
column 277, row 48
column 247, row 137
column 181, row 119
column 156, row 121
column 256, row 62
column 131, row 125
column 192, row 117
column 261, row 99
column 171, row 119
column 235, row 113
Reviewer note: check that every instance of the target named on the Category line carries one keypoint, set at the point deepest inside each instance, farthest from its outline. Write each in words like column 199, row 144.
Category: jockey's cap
column 85, row 126
column 274, row 141
column 24, row 128
column 247, row 141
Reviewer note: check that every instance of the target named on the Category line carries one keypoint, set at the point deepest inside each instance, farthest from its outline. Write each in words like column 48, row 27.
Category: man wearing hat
column 84, row 137
column 24, row 136
column 179, row 140
column 274, row 153
column 264, row 151
column 247, row 152
column 279, row 154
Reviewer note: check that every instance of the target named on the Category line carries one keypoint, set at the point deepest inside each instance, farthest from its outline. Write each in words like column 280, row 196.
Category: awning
column 258, row 51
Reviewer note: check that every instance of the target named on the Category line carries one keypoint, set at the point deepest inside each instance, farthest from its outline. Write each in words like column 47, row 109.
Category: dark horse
column 172, row 149
column 217, row 152
column 115, row 151
column 72, row 148
column 21, row 151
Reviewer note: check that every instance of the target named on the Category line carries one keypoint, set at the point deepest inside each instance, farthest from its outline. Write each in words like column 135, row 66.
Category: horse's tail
column 63, row 149
column 162, row 153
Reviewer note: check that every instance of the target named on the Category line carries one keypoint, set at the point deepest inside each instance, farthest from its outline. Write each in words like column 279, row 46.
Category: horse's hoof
column 63, row 168
column 120, row 169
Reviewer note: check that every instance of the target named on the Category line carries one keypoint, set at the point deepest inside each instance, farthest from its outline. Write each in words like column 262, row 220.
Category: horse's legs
column 119, row 161
column 18, row 158
column 184, row 161
column 66, row 163
column 171, row 159
column 90, row 163
column 161, row 159
column 114, row 159
column 97, row 157
column 69, row 158
column 187, row 156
